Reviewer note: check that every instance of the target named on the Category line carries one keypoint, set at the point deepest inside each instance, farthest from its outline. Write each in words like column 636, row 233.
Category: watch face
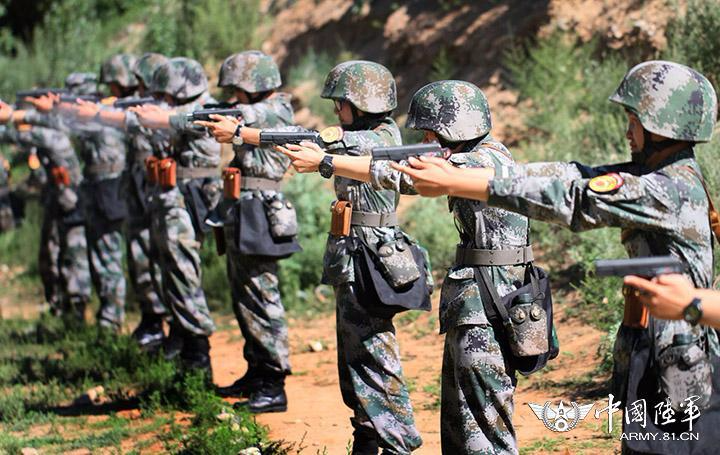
column 693, row 312
column 325, row 168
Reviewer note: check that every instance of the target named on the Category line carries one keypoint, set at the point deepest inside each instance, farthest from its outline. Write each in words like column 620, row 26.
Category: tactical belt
column 259, row 184
column 474, row 257
column 368, row 219
column 104, row 168
column 4, row 192
column 197, row 172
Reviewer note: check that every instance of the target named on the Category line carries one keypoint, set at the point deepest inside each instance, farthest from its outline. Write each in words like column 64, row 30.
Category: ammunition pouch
column 635, row 315
column 341, row 219
column 167, row 173
column 152, row 171
column 231, row 183
column 60, row 176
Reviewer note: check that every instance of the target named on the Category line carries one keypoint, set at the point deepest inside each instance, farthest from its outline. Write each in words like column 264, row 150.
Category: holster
column 635, row 314
column 61, row 176
column 341, row 218
column 231, row 183
column 167, row 173
column 151, row 169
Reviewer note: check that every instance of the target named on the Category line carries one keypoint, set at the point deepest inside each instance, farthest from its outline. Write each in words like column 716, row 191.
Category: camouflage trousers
column 178, row 252
column 477, row 394
column 371, row 376
column 145, row 275
column 106, row 268
column 258, row 308
column 64, row 267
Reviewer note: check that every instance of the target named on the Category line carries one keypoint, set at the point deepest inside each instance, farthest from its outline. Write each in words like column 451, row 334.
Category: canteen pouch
column 231, row 183
column 167, row 173
column 60, row 175
column 685, row 371
column 635, row 314
column 527, row 324
column 151, row 169
column 281, row 217
column 341, row 218
column 395, row 260
column 377, row 295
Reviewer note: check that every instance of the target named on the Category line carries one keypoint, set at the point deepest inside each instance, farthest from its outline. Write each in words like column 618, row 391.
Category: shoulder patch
column 606, row 183
column 332, row 134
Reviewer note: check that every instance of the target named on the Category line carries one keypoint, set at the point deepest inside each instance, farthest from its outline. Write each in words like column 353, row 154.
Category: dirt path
column 317, row 416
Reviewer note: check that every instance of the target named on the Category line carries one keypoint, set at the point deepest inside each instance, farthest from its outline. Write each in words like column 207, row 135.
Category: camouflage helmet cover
column 252, row 71
column 454, row 110
column 82, row 83
column 119, row 69
column 146, row 65
column 670, row 99
column 368, row 85
column 181, row 78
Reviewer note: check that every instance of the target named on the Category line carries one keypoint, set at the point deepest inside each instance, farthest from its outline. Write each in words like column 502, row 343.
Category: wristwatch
column 693, row 312
column 237, row 137
column 326, row 168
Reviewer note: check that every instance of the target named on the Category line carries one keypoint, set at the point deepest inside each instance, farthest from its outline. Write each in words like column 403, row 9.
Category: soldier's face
column 429, row 137
column 634, row 133
column 343, row 112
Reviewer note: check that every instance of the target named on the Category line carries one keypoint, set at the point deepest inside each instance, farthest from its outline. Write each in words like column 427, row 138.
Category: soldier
column 63, row 256
column 253, row 272
column 477, row 379
column 371, row 377
column 659, row 202
column 7, row 217
column 144, row 273
column 188, row 187
column 103, row 151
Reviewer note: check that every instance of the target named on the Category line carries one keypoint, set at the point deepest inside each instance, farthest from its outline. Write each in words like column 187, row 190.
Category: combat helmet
column 182, row 78
column 454, row 110
column 119, row 69
column 252, row 71
column 670, row 99
column 369, row 86
column 146, row 65
column 82, row 83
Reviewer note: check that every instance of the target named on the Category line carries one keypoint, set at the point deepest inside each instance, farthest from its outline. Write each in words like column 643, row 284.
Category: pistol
column 647, row 267
column 132, row 102
column 282, row 138
column 403, row 152
column 38, row 92
column 204, row 114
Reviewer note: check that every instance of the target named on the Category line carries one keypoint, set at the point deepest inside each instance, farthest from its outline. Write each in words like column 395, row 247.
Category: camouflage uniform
column 662, row 209
column 477, row 383
column 63, row 258
column 177, row 213
column 7, row 217
column 144, row 272
column 254, row 279
column 370, row 371
column 102, row 150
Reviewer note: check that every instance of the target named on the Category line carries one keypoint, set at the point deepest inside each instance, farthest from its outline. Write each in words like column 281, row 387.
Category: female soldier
column 659, row 202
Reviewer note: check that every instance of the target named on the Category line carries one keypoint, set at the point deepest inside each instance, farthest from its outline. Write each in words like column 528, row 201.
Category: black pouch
column 196, row 206
column 378, row 296
column 253, row 235
column 105, row 199
column 497, row 309
column 137, row 181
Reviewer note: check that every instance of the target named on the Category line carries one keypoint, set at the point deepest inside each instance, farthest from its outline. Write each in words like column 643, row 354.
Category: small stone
column 224, row 416
column 315, row 346
column 29, row 451
column 250, row 451
column 95, row 394
column 235, row 426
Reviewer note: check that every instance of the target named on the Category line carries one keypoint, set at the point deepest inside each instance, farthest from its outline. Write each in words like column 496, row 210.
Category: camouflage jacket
column 661, row 211
column 338, row 264
column 190, row 146
column 101, row 148
column 54, row 149
column 139, row 139
column 479, row 226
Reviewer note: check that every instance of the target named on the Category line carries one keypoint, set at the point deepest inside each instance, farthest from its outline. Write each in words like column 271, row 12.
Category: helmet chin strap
column 650, row 148
column 360, row 122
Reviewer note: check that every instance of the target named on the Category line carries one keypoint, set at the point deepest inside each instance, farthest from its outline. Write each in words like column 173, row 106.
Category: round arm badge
column 332, row 134
column 606, row 183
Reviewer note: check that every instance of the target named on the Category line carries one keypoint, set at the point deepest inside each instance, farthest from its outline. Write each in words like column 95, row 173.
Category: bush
column 300, row 275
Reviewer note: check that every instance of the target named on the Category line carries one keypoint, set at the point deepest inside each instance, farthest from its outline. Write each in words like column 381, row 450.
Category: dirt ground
column 317, row 417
